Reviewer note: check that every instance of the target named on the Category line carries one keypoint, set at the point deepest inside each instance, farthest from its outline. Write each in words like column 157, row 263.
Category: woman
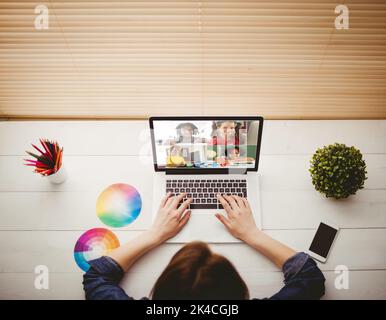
column 195, row 272
column 180, row 153
column 186, row 132
column 225, row 137
column 225, row 132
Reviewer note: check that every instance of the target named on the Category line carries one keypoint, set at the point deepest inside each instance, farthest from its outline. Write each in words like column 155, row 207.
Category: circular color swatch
column 118, row 205
column 94, row 244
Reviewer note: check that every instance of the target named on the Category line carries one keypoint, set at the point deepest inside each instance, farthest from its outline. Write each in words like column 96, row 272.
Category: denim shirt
column 302, row 280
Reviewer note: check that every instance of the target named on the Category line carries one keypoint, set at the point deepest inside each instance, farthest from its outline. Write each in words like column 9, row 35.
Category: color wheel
column 94, row 244
column 118, row 205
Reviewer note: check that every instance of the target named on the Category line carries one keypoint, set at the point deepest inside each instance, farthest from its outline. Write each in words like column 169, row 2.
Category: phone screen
column 323, row 240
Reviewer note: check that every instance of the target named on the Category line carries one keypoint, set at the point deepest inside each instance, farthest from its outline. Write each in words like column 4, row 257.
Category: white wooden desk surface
column 40, row 223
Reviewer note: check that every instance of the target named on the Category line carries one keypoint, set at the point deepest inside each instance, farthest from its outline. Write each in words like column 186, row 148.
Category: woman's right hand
column 239, row 220
column 171, row 217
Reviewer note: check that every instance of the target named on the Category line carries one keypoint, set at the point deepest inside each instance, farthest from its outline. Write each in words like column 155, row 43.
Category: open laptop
column 203, row 156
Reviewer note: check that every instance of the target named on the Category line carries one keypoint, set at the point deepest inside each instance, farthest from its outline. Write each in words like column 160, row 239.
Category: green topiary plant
column 338, row 171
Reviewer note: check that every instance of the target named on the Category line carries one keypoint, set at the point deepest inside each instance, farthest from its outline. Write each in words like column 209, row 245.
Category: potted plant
column 338, row 171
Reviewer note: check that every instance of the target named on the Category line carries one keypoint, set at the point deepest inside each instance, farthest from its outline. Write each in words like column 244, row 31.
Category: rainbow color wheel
column 94, row 244
column 118, row 205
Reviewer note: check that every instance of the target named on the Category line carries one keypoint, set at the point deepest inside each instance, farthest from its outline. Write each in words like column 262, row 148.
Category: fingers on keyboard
column 203, row 191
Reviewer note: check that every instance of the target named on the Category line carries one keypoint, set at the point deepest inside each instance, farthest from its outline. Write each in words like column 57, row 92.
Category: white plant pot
column 59, row 176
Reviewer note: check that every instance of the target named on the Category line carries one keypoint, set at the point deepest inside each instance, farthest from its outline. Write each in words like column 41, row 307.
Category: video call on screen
column 205, row 143
column 323, row 239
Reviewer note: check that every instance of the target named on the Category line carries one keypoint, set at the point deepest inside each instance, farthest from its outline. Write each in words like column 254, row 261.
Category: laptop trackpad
column 206, row 227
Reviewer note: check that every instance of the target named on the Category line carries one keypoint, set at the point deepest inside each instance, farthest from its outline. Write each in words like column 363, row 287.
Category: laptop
column 202, row 156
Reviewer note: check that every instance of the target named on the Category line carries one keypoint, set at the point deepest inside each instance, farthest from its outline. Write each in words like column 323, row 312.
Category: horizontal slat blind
column 281, row 59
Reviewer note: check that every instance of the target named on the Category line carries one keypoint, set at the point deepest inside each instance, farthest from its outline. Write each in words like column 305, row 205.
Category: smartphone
column 322, row 242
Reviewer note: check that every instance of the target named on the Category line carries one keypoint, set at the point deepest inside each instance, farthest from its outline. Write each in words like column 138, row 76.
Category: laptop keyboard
column 204, row 191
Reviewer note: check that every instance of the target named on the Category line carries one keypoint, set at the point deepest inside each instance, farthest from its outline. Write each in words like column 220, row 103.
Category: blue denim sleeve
column 303, row 280
column 101, row 281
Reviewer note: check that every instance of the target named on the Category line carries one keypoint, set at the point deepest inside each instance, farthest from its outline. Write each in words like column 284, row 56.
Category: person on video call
column 185, row 133
column 195, row 272
column 225, row 132
column 182, row 155
column 225, row 142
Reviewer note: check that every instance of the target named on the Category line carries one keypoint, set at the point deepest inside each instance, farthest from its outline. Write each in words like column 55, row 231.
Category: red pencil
column 50, row 159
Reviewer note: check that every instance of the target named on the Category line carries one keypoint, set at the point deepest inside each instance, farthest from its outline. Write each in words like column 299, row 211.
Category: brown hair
column 195, row 272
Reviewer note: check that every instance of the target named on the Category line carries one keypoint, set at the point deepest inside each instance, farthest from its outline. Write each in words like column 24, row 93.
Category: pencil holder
column 48, row 161
column 59, row 176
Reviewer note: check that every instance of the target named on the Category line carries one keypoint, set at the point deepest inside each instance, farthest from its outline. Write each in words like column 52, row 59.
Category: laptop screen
column 206, row 143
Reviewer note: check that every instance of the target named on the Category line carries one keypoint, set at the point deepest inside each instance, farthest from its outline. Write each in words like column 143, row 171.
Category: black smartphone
column 321, row 244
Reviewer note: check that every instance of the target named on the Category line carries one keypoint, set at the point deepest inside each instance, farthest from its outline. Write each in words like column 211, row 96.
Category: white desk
column 40, row 223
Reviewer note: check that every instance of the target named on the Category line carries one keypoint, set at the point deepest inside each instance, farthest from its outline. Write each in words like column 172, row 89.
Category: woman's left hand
column 171, row 217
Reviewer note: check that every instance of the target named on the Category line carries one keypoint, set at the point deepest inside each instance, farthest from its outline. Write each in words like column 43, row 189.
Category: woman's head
column 195, row 272
column 227, row 125
column 225, row 128
column 186, row 130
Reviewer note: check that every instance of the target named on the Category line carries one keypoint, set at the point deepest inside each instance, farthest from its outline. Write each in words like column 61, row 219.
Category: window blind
column 132, row 59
